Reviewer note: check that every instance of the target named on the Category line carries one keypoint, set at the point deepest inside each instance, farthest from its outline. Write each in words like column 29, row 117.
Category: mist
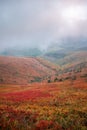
column 39, row 23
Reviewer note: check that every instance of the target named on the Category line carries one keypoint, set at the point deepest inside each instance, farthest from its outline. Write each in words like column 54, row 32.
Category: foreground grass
column 53, row 106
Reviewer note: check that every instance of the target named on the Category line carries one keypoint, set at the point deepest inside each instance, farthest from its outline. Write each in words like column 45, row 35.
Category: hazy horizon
column 26, row 23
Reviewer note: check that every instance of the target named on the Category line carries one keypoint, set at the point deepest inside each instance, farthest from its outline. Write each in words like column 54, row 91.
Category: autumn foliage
column 44, row 106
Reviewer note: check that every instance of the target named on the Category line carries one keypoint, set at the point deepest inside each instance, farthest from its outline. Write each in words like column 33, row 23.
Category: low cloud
column 38, row 23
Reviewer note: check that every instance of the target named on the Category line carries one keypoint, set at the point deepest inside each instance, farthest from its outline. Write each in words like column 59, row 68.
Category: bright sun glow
column 73, row 14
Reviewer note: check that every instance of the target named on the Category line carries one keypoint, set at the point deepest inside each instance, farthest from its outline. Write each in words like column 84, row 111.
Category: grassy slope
column 72, row 58
column 24, row 70
column 69, row 58
column 27, row 70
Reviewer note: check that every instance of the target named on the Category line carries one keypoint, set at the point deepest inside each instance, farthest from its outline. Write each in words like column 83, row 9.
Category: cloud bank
column 35, row 23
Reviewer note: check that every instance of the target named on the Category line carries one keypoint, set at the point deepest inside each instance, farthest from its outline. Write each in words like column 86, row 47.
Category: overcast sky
column 41, row 22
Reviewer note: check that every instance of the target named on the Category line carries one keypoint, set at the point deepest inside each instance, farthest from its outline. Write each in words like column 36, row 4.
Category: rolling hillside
column 73, row 58
column 67, row 52
column 14, row 70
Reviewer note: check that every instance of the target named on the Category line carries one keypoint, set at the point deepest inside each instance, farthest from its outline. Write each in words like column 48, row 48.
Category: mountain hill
column 16, row 51
column 15, row 70
column 67, row 51
column 62, row 52
column 60, row 60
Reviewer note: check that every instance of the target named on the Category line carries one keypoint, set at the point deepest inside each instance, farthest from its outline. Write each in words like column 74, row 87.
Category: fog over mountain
column 39, row 23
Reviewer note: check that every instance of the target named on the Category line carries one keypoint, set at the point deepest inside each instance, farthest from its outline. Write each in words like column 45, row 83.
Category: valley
column 45, row 92
column 36, row 94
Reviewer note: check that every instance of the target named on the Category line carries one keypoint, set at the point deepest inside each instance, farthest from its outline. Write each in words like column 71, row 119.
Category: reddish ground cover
column 25, row 95
column 44, row 106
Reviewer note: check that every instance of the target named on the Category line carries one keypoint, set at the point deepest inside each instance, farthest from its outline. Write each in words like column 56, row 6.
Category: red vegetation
column 43, row 106
column 45, row 125
column 25, row 95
